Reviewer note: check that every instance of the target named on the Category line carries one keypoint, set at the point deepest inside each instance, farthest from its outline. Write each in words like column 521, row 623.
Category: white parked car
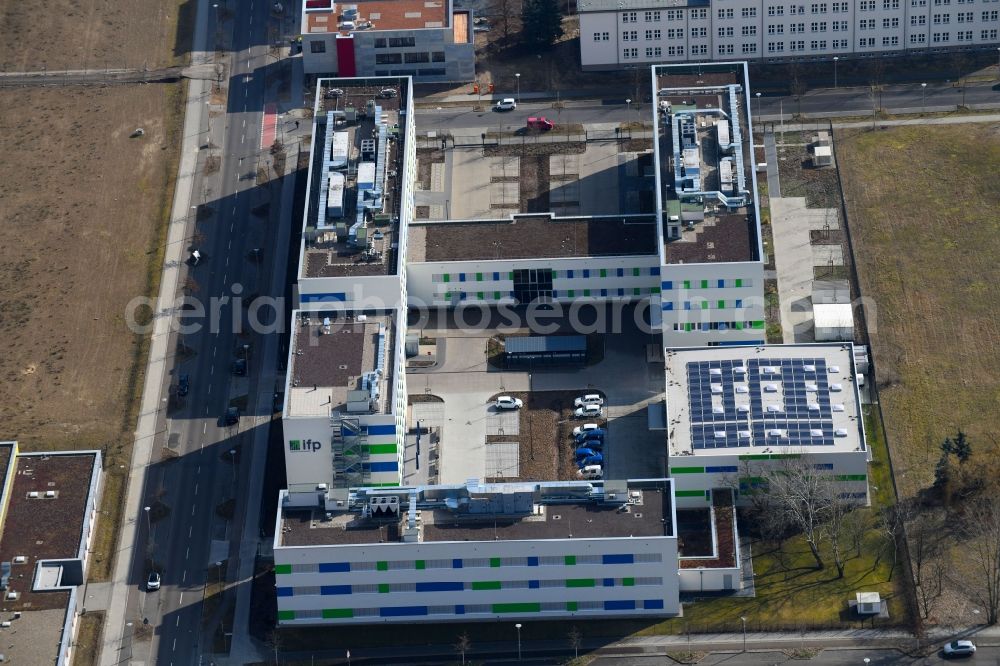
column 959, row 649
column 589, row 399
column 591, row 472
column 586, row 427
column 506, row 104
column 509, row 402
column 588, row 412
column 153, row 582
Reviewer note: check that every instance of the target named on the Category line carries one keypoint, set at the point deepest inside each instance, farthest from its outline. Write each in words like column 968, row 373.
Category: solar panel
column 790, row 396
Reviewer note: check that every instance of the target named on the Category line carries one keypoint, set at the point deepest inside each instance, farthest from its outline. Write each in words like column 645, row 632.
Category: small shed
column 545, row 350
column 833, row 322
column 868, row 603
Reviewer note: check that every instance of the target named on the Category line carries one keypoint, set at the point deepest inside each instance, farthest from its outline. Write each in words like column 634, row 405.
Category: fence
column 513, row 136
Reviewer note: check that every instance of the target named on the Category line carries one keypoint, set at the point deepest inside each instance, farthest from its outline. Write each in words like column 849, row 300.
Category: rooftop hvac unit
column 50, row 494
column 12, row 595
column 33, row 494
column 20, row 559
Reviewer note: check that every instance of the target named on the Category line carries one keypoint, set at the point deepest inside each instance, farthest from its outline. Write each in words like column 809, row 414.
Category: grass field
column 924, row 207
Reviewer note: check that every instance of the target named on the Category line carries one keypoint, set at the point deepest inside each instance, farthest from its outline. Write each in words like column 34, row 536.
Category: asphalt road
column 846, row 101
column 203, row 476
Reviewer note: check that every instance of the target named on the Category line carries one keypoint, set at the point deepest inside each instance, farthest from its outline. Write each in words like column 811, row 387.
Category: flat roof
column 43, row 528
column 532, row 236
column 321, row 16
column 620, row 5
column 329, row 250
column 331, row 353
column 763, row 399
column 649, row 514
column 719, row 155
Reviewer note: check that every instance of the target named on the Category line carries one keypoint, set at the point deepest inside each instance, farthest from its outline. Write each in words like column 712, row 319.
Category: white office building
column 616, row 34
column 733, row 410
column 513, row 551
column 430, row 41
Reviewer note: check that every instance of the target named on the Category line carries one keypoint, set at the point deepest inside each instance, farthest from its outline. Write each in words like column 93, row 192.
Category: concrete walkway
column 771, row 157
column 793, row 259
column 946, row 120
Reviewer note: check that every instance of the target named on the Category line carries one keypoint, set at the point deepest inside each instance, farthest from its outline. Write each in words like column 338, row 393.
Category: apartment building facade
column 634, row 33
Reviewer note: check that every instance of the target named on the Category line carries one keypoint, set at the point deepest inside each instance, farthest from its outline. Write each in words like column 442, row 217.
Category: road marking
column 214, row 350
column 243, row 138
column 211, row 371
column 204, row 428
column 199, row 470
column 184, row 577
column 225, row 277
column 234, row 210
column 178, row 622
column 192, row 510
column 246, row 90
column 231, row 225
column 229, row 247
column 174, row 647
column 209, row 389
column 187, row 552
column 181, row 602
column 196, row 489
column 244, row 122
column 190, row 529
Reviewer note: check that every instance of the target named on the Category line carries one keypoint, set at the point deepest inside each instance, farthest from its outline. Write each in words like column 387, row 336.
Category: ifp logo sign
column 304, row 445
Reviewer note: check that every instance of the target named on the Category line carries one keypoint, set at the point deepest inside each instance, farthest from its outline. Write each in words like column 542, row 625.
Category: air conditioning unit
column 20, row 559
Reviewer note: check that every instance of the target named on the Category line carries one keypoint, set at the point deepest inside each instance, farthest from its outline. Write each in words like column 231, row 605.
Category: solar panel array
column 760, row 402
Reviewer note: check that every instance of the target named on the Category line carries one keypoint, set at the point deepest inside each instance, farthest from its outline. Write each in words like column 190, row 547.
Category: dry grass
column 88, row 639
column 81, row 230
column 924, row 204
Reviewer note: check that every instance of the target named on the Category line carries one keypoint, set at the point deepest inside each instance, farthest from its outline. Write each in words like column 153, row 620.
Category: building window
column 918, row 39
column 964, row 35
column 653, row 35
column 630, row 35
column 748, row 12
column 918, row 3
column 749, row 30
column 725, row 31
column 776, row 29
column 918, row 20
column 532, row 284
column 750, row 48
column 965, row 17
column 702, row 49
column 725, row 13
column 437, row 56
column 402, row 42
column 698, row 13
column 652, row 17
column 726, row 49
column 675, row 50
column 317, row 47
column 654, row 52
column 388, row 58
column 602, row 36
column 630, row 17
column 676, row 15
column 774, row 47
column 416, row 58
column 699, row 32
column 818, row 26
column 380, row 43
column 676, row 33
column 629, row 54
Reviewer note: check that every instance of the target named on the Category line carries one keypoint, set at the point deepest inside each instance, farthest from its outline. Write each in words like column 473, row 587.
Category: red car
column 541, row 123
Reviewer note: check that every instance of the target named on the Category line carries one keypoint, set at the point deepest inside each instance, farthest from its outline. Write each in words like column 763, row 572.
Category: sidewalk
column 655, row 646
column 948, row 120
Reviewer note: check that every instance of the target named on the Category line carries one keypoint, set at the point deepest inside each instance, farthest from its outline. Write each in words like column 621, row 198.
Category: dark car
column 183, row 385
column 232, row 416
column 278, row 403
column 240, row 367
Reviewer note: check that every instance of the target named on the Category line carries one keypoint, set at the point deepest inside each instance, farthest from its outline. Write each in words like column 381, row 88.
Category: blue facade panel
column 402, row 611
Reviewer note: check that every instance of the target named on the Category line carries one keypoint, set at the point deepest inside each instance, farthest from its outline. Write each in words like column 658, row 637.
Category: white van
column 506, row 104
column 591, row 472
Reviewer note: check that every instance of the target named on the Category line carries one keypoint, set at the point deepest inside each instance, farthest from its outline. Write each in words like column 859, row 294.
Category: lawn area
column 925, row 227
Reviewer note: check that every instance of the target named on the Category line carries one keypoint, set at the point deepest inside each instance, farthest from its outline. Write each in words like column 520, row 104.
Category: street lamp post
column 758, row 107
column 232, row 458
column 518, row 77
column 518, row 627
column 923, row 98
column 836, row 59
column 149, row 524
column 744, row 621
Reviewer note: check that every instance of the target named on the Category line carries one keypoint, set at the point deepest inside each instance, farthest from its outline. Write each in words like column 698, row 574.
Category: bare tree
column 982, row 548
column 463, row 645
column 506, row 12
column 575, row 640
column 800, row 499
column 836, row 511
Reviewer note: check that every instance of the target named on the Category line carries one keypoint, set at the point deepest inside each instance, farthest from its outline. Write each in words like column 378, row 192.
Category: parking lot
column 478, row 441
